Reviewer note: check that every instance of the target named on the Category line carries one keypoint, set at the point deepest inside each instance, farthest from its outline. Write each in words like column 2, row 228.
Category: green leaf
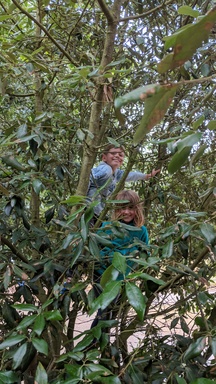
column 8, row 377
column 25, row 307
column 7, row 278
column 83, row 228
column 40, row 345
column 202, row 381
column 37, row 186
column 197, row 154
column 186, row 41
column 12, row 340
column 119, row 262
column 213, row 346
column 84, row 343
column 212, row 125
column 39, row 324
column 114, row 142
column 186, row 10
column 53, row 315
column 13, row 163
column 167, row 250
column 155, row 109
column 208, row 232
column 189, row 141
column 41, row 376
column 19, row 272
column 137, row 94
column 28, row 320
column 195, row 349
column 180, row 380
column 73, row 200
column 145, row 276
column 174, row 322
column 136, row 299
column 110, row 274
column 179, row 159
column 110, row 380
column 109, row 293
column 18, row 355
column 184, row 325
column 77, row 356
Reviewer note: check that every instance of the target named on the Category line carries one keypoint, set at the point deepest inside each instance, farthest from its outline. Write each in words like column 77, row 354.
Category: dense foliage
column 74, row 76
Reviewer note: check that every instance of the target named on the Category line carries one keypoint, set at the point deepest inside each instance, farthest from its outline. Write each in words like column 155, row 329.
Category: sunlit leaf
column 110, row 274
column 136, row 299
column 119, row 262
column 41, row 376
column 186, row 10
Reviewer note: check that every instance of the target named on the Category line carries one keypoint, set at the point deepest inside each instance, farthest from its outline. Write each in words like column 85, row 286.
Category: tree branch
column 65, row 53
column 147, row 12
column 7, row 242
column 106, row 11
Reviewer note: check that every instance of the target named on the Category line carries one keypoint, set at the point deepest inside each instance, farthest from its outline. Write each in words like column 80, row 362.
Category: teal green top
column 125, row 239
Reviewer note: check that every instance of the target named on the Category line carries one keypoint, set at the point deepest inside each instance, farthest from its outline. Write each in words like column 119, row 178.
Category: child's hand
column 153, row 173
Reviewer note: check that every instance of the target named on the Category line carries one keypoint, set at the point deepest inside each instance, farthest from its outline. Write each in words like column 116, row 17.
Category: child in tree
column 108, row 174
column 128, row 237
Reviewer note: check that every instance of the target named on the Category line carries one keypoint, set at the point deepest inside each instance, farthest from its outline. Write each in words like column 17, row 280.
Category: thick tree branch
column 7, row 242
column 106, row 11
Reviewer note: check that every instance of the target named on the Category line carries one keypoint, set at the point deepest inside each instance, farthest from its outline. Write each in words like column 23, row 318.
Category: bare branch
column 147, row 12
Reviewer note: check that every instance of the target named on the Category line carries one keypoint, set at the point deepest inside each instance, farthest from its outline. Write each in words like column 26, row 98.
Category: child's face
column 127, row 213
column 114, row 157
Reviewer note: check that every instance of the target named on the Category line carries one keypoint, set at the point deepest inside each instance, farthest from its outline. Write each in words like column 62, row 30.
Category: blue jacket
column 123, row 245
column 103, row 174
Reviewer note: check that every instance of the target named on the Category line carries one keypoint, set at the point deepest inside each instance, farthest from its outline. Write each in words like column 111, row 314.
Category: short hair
column 110, row 146
column 133, row 200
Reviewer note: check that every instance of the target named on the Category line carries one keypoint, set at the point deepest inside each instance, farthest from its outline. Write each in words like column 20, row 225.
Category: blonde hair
column 132, row 200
